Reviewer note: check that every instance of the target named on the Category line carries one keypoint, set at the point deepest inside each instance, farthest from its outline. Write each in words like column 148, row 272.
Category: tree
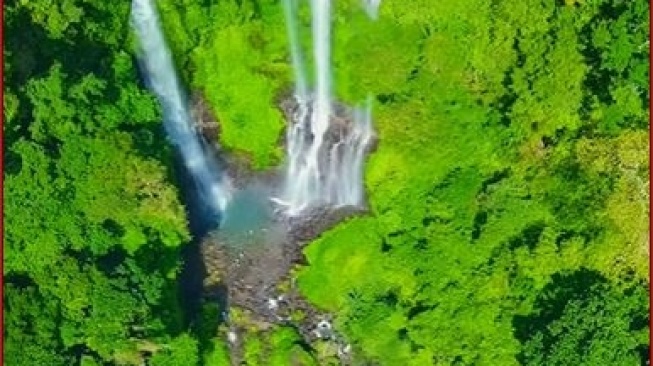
column 581, row 319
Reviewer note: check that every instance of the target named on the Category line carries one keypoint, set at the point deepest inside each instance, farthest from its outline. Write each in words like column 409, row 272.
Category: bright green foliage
column 241, row 94
column 93, row 226
column 279, row 347
column 101, row 311
column 29, row 322
column 591, row 325
column 252, row 350
column 495, row 170
column 181, row 351
column 238, row 61
column 362, row 61
column 285, row 349
column 219, row 354
column 55, row 16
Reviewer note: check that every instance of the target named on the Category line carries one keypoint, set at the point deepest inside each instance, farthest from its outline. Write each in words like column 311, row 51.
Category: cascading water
column 325, row 155
column 290, row 10
column 212, row 187
column 372, row 7
column 346, row 158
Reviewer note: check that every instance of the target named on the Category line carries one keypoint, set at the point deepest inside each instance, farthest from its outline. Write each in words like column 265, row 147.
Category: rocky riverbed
column 247, row 263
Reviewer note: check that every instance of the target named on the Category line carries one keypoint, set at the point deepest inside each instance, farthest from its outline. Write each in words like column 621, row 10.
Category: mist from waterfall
column 325, row 153
column 213, row 188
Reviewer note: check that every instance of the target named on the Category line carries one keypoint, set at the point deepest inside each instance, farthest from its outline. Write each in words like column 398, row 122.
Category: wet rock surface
column 340, row 124
column 254, row 266
column 205, row 120
column 254, row 275
column 250, row 269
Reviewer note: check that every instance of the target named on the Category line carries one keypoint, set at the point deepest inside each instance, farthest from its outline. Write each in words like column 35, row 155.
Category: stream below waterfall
column 249, row 228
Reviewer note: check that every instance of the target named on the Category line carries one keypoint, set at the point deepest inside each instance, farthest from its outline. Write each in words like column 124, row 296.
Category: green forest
column 508, row 196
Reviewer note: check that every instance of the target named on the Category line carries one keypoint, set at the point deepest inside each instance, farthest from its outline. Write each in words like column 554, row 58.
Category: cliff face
column 246, row 269
column 206, row 121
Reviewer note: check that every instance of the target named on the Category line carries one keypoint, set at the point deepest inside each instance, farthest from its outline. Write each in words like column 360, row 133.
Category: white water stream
column 156, row 61
column 325, row 152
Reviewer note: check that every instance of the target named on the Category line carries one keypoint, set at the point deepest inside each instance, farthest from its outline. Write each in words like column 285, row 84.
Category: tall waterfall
column 301, row 87
column 325, row 151
column 212, row 187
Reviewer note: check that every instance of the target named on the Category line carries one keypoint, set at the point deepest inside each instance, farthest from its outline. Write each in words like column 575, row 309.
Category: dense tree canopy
column 89, row 200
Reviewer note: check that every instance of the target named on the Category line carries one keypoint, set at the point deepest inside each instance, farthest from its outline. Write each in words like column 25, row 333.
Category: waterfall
column 156, row 61
column 372, row 7
column 325, row 151
column 326, row 146
column 290, row 11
